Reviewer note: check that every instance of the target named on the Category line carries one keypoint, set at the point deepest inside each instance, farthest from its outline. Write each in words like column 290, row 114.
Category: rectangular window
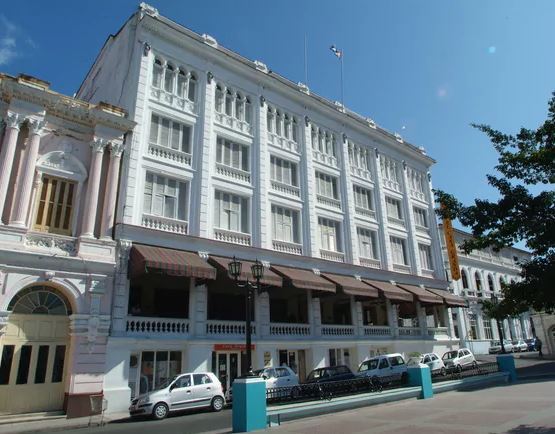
column 363, row 197
column 488, row 333
column 58, row 368
column 170, row 134
column 285, row 224
column 283, row 171
column 393, row 207
column 42, row 362
column 398, row 251
column 367, row 247
column 55, row 205
column 165, row 197
column 329, row 234
column 326, row 185
column 420, row 217
column 24, row 362
column 232, row 154
column 157, row 367
column 231, row 212
column 425, row 254
column 473, row 326
column 6, row 363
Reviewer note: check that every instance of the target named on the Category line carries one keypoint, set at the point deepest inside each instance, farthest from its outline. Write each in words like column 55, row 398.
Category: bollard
column 506, row 363
column 249, row 404
column 421, row 376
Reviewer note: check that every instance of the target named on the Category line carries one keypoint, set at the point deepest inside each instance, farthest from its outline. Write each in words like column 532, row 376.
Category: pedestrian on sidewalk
column 539, row 347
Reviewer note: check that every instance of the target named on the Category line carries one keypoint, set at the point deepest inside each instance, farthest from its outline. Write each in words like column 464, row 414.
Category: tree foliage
column 523, row 212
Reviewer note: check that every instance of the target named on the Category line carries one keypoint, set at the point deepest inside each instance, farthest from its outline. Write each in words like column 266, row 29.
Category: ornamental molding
column 54, row 244
column 97, row 286
column 36, row 126
column 147, row 9
column 116, row 149
column 316, row 271
column 14, row 120
column 209, row 40
column 303, row 88
column 98, row 144
column 61, row 161
column 3, row 321
column 91, row 327
column 204, row 255
column 261, row 66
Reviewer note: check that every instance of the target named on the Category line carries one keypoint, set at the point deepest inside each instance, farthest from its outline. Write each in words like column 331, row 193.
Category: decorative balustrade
column 233, row 173
column 232, row 237
column 228, row 328
column 410, row 331
column 392, row 185
column 149, row 326
column 328, row 201
column 165, row 224
column 283, row 143
column 437, row 331
column 332, row 256
column 287, row 247
column 287, row 189
column 370, row 213
column 338, row 330
column 289, row 330
column 418, row 195
column 233, row 123
column 396, row 221
column 172, row 100
column 369, row 262
column 360, row 172
column 328, row 160
column 175, row 156
column 377, row 331
column 53, row 243
column 401, row 268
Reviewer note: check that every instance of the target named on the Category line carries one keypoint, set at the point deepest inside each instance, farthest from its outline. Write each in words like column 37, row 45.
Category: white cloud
column 8, row 41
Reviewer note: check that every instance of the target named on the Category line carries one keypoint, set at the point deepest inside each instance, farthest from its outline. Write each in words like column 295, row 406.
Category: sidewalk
column 518, row 408
column 58, row 424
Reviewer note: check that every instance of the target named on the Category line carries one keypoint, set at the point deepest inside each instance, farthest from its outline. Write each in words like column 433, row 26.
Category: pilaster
column 392, row 318
column 350, row 230
column 308, row 192
column 412, row 243
column 383, row 233
column 12, row 122
column 261, row 205
column 108, row 214
column 316, row 317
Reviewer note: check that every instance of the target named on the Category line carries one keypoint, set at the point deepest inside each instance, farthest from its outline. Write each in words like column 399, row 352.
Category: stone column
column 412, row 241
column 13, row 122
column 392, row 318
column 348, row 205
column 381, row 215
column 28, row 173
column 421, row 313
column 109, row 211
column 91, row 199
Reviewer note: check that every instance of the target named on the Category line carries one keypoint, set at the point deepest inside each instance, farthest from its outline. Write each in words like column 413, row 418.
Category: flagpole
column 305, row 62
column 342, row 99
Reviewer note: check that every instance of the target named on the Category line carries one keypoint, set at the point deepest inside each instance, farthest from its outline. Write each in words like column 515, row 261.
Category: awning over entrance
column 423, row 296
column 304, row 279
column 270, row 278
column 145, row 259
column 352, row 286
column 450, row 300
column 390, row 291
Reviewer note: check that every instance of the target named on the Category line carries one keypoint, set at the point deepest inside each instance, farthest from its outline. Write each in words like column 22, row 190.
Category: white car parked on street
column 495, row 347
column 431, row 359
column 520, row 346
column 386, row 365
column 282, row 376
column 459, row 359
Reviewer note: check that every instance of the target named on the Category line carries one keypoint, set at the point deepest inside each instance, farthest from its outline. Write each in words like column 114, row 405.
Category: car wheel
column 458, row 368
column 217, row 403
column 443, row 372
column 160, row 411
column 474, row 365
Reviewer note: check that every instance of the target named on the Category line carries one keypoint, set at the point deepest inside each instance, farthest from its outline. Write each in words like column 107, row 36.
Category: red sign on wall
column 232, row 347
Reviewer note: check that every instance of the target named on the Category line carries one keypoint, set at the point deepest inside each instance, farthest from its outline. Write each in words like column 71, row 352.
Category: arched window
column 247, row 110
column 219, row 99
column 182, row 83
column 478, row 281
column 501, row 282
column 270, row 120
column 464, row 279
column 491, row 286
column 157, row 71
column 192, row 87
column 41, row 300
column 294, row 130
column 228, row 103
column 168, row 78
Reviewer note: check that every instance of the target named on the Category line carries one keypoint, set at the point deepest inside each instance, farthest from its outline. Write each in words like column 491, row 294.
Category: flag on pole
column 338, row 53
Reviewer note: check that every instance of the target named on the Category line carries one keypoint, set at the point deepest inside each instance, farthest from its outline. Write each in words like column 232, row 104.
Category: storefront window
column 155, row 368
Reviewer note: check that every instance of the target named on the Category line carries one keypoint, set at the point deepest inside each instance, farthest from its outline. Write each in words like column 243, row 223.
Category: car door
column 203, row 390
column 283, row 377
column 384, row 370
column 436, row 362
column 181, row 393
column 398, row 366
column 428, row 361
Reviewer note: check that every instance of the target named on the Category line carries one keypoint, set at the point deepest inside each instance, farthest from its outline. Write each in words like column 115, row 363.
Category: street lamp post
column 495, row 301
column 257, row 270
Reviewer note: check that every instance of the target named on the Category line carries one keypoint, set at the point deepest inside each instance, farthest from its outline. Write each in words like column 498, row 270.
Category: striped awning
column 304, row 279
column 451, row 300
column 149, row 259
column 390, row 291
column 352, row 286
column 269, row 278
column 421, row 295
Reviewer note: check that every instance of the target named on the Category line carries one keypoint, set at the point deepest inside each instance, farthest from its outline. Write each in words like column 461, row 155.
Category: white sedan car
column 520, row 345
column 431, row 359
column 282, row 376
column 495, row 347
column 459, row 359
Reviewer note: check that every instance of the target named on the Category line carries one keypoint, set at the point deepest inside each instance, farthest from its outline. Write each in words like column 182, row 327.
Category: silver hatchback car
column 184, row 391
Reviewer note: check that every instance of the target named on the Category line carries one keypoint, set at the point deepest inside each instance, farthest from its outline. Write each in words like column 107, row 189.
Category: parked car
column 282, row 376
column 459, row 359
column 386, row 365
column 531, row 344
column 330, row 374
column 181, row 392
column 520, row 345
column 432, row 360
column 495, row 347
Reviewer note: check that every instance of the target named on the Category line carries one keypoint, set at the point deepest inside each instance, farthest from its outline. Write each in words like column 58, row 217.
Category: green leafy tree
column 524, row 211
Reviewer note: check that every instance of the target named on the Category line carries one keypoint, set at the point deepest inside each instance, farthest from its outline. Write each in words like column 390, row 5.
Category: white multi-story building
column 59, row 170
column 482, row 274
column 231, row 159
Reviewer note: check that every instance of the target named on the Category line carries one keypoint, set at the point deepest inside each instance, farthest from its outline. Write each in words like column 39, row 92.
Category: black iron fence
column 330, row 390
column 458, row 373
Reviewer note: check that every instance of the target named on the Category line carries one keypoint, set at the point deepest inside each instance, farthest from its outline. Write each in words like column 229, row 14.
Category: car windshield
column 315, row 374
column 259, row 372
column 495, row 343
column 368, row 365
column 450, row 355
column 166, row 383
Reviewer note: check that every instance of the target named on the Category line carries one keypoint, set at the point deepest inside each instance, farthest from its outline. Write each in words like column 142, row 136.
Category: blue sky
column 425, row 69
